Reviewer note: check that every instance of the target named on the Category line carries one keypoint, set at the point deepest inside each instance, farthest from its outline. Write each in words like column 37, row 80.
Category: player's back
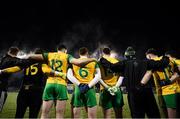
column 86, row 73
column 33, row 75
column 58, row 61
column 108, row 76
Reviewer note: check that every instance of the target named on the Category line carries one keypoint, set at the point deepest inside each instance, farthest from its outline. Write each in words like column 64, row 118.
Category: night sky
column 119, row 24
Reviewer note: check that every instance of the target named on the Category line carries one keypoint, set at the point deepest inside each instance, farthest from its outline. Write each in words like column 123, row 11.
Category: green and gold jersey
column 109, row 77
column 58, row 61
column 164, row 74
column 177, row 62
column 86, row 73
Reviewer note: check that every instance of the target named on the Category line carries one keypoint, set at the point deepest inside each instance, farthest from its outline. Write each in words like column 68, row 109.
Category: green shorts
column 54, row 91
column 87, row 99
column 170, row 100
column 108, row 101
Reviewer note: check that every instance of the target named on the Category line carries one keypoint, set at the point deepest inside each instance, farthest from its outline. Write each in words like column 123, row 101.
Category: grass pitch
column 9, row 109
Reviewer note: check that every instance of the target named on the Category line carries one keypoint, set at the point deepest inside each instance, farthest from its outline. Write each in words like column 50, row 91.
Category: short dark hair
column 13, row 50
column 61, row 47
column 83, row 51
column 172, row 53
column 151, row 51
column 107, row 51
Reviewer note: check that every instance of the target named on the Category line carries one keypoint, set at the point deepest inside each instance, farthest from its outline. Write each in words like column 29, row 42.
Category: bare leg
column 92, row 112
column 77, row 112
column 107, row 113
column 171, row 113
column 60, row 108
column 46, row 106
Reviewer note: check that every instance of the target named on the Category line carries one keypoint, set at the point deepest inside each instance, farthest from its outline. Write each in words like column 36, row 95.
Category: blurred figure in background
column 7, row 61
column 30, row 94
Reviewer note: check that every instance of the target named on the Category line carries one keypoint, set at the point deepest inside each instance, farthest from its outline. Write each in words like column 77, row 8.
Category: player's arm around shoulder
column 80, row 62
column 38, row 57
column 10, row 70
column 50, row 72
column 158, row 64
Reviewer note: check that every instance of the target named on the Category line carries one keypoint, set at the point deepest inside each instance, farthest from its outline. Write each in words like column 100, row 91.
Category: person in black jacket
column 140, row 97
column 30, row 94
column 7, row 61
column 10, row 60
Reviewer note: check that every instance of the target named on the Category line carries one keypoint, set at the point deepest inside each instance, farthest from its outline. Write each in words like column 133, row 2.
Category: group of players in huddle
column 46, row 76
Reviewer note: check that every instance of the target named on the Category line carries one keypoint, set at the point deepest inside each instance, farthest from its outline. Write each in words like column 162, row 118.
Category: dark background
column 143, row 25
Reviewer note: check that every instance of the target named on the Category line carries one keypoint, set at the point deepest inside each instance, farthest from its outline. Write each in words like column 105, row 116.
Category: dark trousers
column 143, row 102
column 31, row 99
column 3, row 97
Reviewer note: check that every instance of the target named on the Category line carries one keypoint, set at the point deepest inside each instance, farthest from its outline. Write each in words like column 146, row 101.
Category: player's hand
column 115, row 89
column 60, row 74
column 110, row 90
column 83, row 88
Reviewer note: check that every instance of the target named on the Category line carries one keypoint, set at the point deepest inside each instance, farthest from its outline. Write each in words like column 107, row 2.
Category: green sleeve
column 96, row 66
column 70, row 57
column 45, row 56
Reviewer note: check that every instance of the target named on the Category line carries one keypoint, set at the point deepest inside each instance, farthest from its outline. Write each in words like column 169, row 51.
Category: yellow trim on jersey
column 58, row 61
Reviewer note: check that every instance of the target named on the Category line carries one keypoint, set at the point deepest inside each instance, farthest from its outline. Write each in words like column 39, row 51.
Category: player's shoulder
column 112, row 59
column 157, row 58
column 177, row 61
